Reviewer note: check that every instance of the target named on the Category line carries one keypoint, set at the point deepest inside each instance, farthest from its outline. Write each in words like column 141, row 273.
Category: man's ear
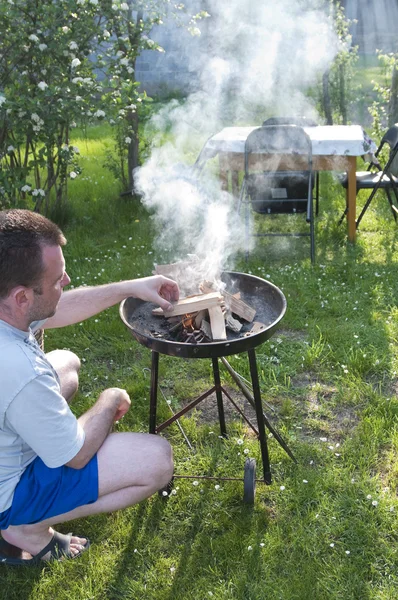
column 22, row 297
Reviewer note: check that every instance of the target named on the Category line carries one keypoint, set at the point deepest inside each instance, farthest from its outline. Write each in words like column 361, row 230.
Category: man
column 54, row 467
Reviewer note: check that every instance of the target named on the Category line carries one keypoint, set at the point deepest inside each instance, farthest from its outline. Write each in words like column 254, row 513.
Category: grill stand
column 254, row 400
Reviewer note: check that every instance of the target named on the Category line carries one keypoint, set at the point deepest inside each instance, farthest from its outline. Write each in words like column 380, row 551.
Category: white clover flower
column 246, row 451
column 217, row 487
column 75, row 63
column 127, row 140
column 374, row 502
column 73, row 175
column 369, row 497
column 239, row 442
column 42, row 47
column 305, row 481
column 73, row 46
column 26, row 188
column 42, row 85
column 250, row 548
column 347, row 552
column 331, row 545
column 33, row 38
column 195, row 483
column 282, row 487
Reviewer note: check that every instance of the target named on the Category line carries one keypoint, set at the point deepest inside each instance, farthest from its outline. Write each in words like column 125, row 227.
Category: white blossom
column 38, row 192
column 73, row 46
column 42, row 85
column 99, row 114
column 127, row 140
column 106, row 33
column 73, row 175
column 42, row 47
column 26, row 188
column 2, row 99
column 75, row 63
column 124, row 6
column 33, row 38
column 94, row 2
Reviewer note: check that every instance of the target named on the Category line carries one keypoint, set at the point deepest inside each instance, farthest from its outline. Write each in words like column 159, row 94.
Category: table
column 334, row 148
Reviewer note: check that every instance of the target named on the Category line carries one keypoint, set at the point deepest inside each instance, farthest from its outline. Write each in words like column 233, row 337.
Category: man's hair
column 23, row 234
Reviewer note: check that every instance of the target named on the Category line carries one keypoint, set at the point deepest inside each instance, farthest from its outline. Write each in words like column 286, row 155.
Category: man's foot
column 40, row 545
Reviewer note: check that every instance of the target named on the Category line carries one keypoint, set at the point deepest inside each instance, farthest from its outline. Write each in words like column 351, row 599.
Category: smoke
column 254, row 59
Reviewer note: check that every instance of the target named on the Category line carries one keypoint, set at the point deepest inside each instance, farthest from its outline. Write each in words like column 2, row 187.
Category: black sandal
column 59, row 547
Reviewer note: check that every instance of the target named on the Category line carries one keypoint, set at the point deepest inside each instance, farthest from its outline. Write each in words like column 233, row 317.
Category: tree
column 50, row 57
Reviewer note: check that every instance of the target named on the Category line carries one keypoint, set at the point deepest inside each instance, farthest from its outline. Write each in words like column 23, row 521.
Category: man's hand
column 124, row 402
column 157, row 289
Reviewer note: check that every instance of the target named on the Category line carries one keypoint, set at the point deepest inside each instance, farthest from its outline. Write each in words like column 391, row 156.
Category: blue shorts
column 42, row 492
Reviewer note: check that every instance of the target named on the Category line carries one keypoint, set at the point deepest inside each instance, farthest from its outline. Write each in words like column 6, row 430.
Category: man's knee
column 67, row 364
column 163, row 462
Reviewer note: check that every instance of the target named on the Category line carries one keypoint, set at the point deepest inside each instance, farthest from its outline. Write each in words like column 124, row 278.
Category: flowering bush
column 65, row 63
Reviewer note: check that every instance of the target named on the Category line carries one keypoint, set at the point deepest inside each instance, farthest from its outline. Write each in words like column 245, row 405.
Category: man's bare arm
column 81, row 303
column 112, row 404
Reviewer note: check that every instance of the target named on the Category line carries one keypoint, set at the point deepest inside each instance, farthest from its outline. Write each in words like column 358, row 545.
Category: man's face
column 55, row 278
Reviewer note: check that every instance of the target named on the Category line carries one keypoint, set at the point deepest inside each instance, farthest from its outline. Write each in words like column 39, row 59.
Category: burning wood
column 205, row 317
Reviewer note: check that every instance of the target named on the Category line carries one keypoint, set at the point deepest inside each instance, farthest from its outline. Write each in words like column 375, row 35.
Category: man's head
column 32, row 267
column 23, row 235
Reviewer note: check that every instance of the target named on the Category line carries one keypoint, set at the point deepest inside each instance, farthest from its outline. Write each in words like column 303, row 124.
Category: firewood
column 233, row 302
column 256, row 328
column 199, row 318
column 205, row 327
column 239, row 308
column 232, row 323
column 194, row 304
column 217, row 323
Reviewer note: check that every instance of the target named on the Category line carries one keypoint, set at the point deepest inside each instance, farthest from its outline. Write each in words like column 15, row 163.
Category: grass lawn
column 326, row 529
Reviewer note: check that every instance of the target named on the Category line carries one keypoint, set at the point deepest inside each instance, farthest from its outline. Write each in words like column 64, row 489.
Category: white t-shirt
column 35, row 419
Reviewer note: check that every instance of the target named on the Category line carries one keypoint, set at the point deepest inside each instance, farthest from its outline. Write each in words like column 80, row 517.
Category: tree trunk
column 327, row 105
column 342, row 95
column 393, row 103
column 133, row 152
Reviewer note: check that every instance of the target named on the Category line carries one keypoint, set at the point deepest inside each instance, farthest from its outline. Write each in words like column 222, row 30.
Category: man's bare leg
column 67, row 365
column 131, row 467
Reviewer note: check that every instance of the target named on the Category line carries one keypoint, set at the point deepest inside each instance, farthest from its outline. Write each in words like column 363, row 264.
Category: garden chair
column 378, row 177
column 266, row 189
column 300, row 122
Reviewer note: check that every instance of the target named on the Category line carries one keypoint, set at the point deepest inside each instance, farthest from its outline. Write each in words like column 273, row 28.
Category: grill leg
column 220, row 405
column 154, row 392
column 259, row 413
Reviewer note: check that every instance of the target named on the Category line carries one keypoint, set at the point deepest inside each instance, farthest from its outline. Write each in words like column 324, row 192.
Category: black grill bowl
column 153, row 331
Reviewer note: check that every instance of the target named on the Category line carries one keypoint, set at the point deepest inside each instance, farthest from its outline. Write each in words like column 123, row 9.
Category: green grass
column 326, row 529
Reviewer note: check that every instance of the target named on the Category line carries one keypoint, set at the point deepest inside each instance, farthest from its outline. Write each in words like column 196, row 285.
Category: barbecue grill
column 154, row 333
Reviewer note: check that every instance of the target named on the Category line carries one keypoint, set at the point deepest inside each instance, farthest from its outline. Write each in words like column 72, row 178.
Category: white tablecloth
column 327, row 140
